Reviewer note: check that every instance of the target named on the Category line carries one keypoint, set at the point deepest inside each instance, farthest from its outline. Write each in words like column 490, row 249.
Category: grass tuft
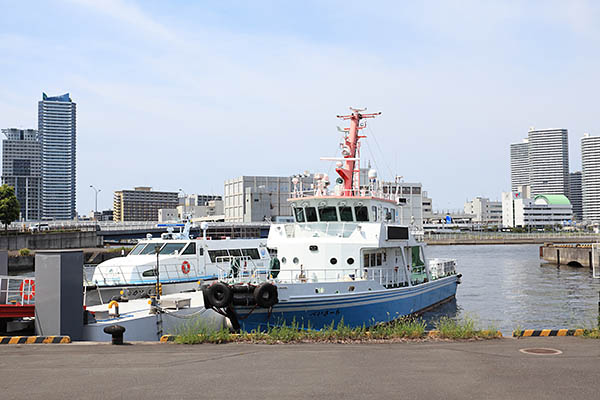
column 407, row 328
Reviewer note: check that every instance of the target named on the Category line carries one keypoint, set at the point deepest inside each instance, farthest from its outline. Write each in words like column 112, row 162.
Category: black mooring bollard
column 117, row 333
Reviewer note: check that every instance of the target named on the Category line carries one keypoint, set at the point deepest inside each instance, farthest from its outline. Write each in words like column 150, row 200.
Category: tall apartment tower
column 590, row 177
column 575, row 195
column 21, row 169
column 519, row 164
column 57, row 130
column 549, row 161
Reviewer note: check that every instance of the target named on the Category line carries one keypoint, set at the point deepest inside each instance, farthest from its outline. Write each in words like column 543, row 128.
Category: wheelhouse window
column 311, row 214
column 217, row 255
column 190, row 250
column 327, row 214
column 136, row 250
column 171, row 249
column 299, row 212
column 362, row 214
column 252, row 253
column 374, row 210
column 151, row 248
column 235, row 252
column 346, row 214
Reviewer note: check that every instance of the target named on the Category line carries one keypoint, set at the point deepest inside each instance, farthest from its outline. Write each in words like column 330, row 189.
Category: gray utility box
column 59, row 293
column 175, row 303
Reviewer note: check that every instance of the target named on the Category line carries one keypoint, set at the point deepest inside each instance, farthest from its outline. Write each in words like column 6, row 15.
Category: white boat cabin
column 348, row 238
column 179, row 260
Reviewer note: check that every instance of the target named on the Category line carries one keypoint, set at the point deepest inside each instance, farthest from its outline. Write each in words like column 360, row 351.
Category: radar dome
column 372, row 173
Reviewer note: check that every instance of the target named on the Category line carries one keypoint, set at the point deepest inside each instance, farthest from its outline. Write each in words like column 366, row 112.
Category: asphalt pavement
column 493, row 369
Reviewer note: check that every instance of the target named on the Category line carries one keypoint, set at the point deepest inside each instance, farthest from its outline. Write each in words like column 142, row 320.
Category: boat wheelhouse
column 346, row 257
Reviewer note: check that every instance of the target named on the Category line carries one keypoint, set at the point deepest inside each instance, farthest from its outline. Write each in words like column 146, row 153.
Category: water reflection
column 506, row 286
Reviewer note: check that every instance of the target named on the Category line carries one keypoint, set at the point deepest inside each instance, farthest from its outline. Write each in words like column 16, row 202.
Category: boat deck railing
column 17, row 290
column 328, row 229
column 240, row 269
column 132, row 275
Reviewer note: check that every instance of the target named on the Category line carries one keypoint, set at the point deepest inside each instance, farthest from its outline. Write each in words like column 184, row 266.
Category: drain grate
column 541, row 351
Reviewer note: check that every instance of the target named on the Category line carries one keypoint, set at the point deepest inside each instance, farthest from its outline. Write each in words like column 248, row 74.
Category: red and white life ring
column 30, row 293
column 185, row 267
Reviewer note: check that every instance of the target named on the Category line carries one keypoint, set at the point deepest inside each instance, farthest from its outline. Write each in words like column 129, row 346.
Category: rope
column 379, row 147
column 187, row 316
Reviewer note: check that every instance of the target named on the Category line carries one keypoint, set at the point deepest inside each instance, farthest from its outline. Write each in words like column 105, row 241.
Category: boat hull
column 355, row 310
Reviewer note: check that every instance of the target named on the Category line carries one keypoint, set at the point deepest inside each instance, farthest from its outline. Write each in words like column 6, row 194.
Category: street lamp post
column 96, row 191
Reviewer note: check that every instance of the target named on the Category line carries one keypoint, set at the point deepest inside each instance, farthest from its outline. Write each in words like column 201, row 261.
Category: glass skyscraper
column 57, row 131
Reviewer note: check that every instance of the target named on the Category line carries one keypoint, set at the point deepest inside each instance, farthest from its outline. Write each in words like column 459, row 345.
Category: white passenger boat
column 345, row 258
column 183, row 263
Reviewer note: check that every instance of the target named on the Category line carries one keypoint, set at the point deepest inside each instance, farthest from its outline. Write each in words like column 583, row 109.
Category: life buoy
column 185, row 267
column 266, row 295
column 30, row 294
column 219, row 294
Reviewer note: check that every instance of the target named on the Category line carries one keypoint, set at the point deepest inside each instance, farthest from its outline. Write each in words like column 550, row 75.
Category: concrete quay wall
column 579, row 255
column 51, row 240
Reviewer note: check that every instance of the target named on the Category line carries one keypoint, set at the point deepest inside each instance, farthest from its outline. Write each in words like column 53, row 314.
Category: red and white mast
column 349, row 173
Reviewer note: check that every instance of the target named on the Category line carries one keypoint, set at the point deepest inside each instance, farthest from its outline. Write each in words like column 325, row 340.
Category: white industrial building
column 537, row 212
column 260, row 198
column 484, row 211
column 590, row 177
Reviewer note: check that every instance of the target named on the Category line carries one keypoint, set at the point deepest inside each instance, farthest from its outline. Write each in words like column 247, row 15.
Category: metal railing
column 17, row 290
column 130, row 275
column 240, row 269
column 511, row 235
column 332, row 229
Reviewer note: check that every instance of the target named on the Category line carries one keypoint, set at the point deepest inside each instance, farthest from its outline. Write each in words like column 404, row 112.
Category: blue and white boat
column 346, row 257
column 183, row 262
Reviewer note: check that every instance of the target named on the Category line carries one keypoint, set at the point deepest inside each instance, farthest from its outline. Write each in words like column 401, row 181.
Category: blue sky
column 186, row 94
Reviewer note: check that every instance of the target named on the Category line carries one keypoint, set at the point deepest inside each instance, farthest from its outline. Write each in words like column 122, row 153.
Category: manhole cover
column 541, row 351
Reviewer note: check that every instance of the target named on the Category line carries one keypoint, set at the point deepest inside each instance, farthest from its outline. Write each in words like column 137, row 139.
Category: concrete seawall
column 50, row 240
column 578, row 255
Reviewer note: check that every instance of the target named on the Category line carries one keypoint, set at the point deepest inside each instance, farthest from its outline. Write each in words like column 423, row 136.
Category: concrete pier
column 574, row 255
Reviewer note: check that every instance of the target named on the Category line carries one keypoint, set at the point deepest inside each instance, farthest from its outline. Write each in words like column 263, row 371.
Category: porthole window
column 333, row 261
column 295, row 260
column 283, row 260
column 350, row 261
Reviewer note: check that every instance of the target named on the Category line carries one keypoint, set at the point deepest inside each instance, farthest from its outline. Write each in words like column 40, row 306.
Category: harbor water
column 509, row 287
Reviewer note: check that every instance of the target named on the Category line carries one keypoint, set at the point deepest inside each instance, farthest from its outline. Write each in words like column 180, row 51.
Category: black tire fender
column 219, row 295
column 266, row 295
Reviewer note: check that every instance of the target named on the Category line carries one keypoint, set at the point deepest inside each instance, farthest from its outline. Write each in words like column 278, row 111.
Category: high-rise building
column 590, row 177
column 141, row 204
column 21, row 169
column 548, row 161
column 519, row 164
column 576, row 195
column 57, row 131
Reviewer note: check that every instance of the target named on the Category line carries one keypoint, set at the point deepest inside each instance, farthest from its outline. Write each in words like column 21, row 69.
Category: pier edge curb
column 34, row 339
column 548, row 332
